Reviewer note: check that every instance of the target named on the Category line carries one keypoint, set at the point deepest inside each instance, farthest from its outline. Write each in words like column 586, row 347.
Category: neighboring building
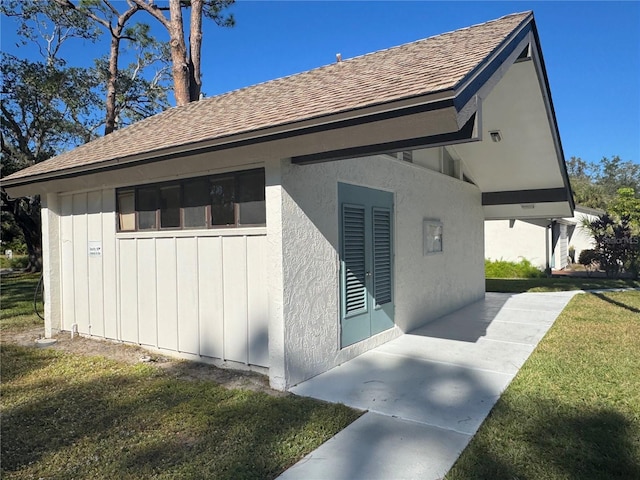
column 295, row 224
column 544, row 242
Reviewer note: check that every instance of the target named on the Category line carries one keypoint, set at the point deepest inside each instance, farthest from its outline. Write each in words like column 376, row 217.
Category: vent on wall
column 525, row 54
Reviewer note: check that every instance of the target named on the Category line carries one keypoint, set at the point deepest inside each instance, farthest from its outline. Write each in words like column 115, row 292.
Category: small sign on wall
column 95, row 248
column 432, row 236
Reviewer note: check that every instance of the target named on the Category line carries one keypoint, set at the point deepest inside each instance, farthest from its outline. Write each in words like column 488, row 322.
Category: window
column 228, row 200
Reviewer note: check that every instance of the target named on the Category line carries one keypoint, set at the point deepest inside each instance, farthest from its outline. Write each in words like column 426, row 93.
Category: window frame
column 236, row 178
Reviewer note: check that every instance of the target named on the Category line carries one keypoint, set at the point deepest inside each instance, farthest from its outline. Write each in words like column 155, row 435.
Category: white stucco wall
column 524, row 240
column 580, row 238
column 426, row 287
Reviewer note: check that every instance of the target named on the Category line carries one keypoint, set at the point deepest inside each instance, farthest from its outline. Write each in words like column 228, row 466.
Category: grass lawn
column 557, row 284
column 76, row 416
column 16, row 305
column 573, row 410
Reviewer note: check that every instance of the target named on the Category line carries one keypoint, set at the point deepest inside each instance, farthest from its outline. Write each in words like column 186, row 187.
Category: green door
column 366, row 262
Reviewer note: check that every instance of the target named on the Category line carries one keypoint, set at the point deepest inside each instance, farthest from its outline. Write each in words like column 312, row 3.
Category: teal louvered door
column 366, row 262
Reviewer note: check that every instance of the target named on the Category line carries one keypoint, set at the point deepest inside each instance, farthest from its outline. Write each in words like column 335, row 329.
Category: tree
column 128, row 87
column 596, row 184
column 615, row 173
column 45, row 109
column 626, row 204
column 187, row 78
column 49, row 107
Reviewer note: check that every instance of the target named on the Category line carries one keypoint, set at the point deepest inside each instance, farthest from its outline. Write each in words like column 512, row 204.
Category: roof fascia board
column 589, row 210
column 407, row 106
column 543, row 79
column 492, row 80
column 465, row 134
column 474, row 80
column 512, row 197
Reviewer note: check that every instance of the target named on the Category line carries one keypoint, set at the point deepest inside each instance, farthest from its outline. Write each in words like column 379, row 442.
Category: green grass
column 504, row 269
column 516, row 285
column 16, row 302
column 74, row 416
column 573, row 410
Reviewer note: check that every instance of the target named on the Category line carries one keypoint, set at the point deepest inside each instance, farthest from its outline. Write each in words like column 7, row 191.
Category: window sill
column 201, row 232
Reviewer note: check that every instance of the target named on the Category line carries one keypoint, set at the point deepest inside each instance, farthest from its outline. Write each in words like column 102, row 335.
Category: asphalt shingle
column 422, row 67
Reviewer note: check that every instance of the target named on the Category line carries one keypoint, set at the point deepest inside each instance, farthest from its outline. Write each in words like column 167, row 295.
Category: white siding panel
column 66, row 237
column 210, row 292
column 128, row 291
column 187, row 277
column 80, row 263
column 167, row 293
column 257, row 302
column 235, row 298
column 109, row 263
column 147, row 314
column 95, row 283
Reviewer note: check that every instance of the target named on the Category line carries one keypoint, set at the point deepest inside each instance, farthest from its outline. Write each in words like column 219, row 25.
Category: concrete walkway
column 427, row 392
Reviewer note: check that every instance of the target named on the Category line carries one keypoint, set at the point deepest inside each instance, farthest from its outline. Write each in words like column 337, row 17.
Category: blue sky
column 591, row 50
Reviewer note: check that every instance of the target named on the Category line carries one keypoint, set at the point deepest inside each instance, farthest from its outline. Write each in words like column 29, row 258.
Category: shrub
column 503, row 269
column 588, row 257
column 18, row 262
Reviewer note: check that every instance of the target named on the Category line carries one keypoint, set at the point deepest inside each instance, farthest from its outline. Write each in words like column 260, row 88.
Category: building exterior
column 292, row 225
column 545, row 242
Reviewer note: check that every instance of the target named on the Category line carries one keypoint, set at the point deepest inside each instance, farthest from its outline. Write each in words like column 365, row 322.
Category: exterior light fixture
column 495, row 136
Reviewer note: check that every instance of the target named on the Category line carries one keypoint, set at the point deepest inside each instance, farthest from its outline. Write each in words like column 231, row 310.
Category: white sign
column 95, row 248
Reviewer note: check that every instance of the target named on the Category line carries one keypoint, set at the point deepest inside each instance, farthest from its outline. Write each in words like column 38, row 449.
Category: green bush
column 588, row 256
column 17, row 262
column 16, row 246
column 504, row 269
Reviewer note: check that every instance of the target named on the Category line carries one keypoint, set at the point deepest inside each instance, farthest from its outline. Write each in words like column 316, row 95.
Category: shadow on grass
column 140, row 424
column 18, row 290
column 610, row 300
column 555, row 442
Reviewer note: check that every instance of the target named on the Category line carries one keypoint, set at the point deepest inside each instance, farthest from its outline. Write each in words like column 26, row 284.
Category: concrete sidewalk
column 427, row 392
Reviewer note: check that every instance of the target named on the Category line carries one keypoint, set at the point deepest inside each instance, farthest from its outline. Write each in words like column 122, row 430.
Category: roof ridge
column 427, row 65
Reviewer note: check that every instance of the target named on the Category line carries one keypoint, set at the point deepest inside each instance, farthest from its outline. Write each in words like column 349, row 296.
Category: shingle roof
column 422, row 67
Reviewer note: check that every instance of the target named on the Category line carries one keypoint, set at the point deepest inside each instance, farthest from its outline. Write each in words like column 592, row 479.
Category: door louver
column 382, row 287
column 354, row 259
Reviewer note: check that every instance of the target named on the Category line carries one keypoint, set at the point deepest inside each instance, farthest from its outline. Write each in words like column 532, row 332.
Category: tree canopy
column 596, row 185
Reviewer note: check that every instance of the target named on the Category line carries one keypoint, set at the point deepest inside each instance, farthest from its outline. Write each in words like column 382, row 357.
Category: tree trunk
column 178, row 54
column 26, row 213
column 195, row 45
column 110, row 122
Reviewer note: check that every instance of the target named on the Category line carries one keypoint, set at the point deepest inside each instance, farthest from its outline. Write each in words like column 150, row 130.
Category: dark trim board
column 159, row 156
column 470, row 90
column 465, row 134
column 513, row 197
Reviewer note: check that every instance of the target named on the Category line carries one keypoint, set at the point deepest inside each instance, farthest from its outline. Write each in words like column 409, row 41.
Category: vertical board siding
column 167, row 293
column 258, row 315
column 210, row 293
column 234, row 268
column 109, row 266
column 187, row 273
column 95, row 277
column 80, row 263
column 146, row 285
column 128, row 291
column 66, row 238
column 202, row 295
